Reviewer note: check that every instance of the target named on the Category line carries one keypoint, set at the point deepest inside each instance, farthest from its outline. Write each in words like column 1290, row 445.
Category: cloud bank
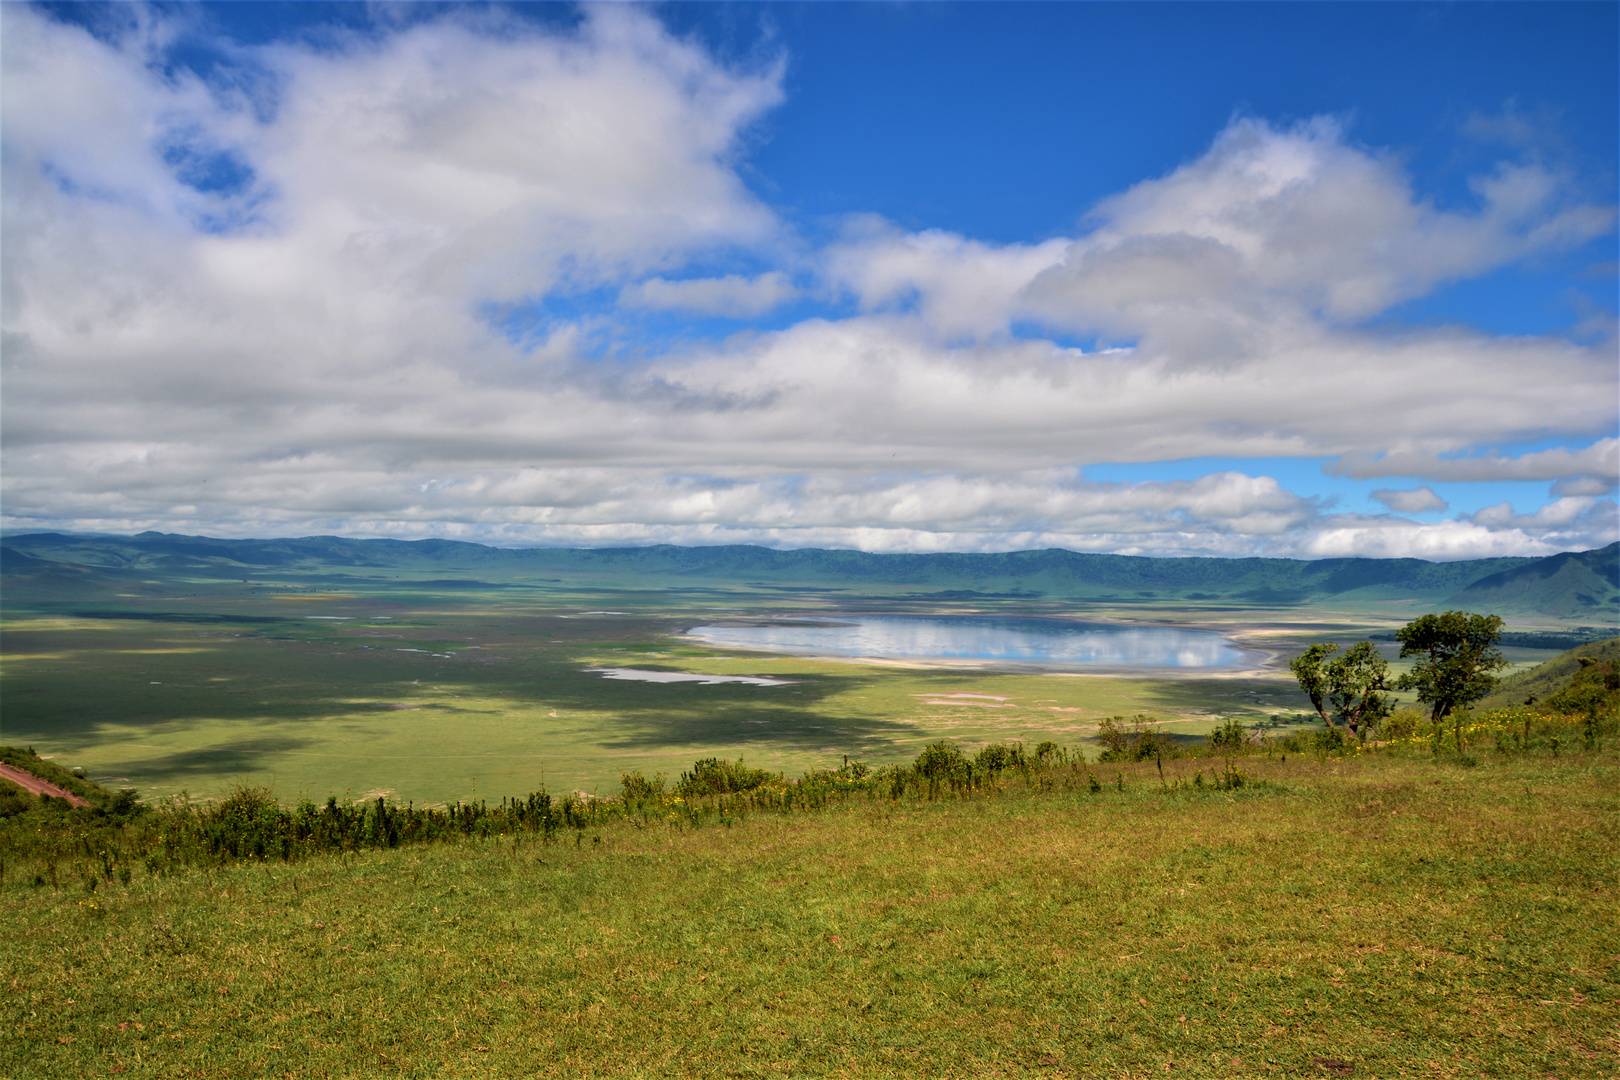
column 391, row 285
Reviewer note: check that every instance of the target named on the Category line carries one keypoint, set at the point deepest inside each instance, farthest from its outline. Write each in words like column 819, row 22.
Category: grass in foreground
column 1379, row 916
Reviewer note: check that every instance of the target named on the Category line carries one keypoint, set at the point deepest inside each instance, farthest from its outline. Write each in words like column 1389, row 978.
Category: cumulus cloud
column 400, row 184
column 1599, row 460
column 1585, row 485
column 1442, row 542
column 732, row 295
column 1298, row 220
column 1238, row 283
column 1413, row 501
column 352, row 294
column 1555, row 516
column 955, row 285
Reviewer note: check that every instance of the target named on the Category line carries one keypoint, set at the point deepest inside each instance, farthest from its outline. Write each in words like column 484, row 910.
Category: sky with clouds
column 1301, row 280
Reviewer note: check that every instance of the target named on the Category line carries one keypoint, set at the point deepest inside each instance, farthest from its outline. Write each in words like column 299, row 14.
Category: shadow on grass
column 124, row 679
column 1259, row 696
column 242, row 756
column 652, row 716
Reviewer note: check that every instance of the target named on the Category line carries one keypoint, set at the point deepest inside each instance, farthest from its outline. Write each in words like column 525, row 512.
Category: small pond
column 1046, row 642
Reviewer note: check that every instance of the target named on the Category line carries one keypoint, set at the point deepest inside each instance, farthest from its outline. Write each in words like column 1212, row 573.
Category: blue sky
column 1292, row 279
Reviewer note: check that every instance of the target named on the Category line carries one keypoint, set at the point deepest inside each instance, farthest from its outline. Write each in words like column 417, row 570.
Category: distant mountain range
column 1567, row 587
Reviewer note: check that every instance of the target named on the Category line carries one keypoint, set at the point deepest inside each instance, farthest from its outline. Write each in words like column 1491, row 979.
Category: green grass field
column 432, row 693
column 1374, row 916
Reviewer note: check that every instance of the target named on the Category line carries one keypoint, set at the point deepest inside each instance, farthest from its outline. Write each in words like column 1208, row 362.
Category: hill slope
column 1567, row 586
column 1550, row 677
column 1574, row 584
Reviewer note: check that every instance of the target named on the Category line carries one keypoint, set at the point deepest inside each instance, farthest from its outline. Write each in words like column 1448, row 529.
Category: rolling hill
column 1548, row 678
column 1565, row 587
column 1571, row 585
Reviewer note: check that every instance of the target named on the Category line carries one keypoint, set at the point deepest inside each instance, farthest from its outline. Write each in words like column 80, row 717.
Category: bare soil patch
column 35, row 786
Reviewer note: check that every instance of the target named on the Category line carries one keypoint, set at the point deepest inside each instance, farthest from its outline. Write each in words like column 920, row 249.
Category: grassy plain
column 1374, row 916
column 434, row 689
column 325, row 708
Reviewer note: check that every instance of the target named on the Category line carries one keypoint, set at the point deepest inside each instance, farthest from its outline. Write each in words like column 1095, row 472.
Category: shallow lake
column 643, row 675
column 1046, row 642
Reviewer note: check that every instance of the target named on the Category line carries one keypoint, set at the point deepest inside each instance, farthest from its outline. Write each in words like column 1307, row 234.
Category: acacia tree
column 1456, row 655
column 1350, row 684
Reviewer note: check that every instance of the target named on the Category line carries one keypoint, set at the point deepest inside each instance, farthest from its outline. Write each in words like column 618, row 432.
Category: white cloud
column 1585, row 485
column 327, row 345
column 1599, row 460
column 1414, row 501
column 1441, row 542
column 958, row 286
column 1295, row 221
column 402, row 184
column 732, row 295
column 1557, row 515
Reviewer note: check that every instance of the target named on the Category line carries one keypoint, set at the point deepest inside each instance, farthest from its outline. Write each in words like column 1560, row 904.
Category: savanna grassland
column 431, row 688
column 1377, row 915
column 492, row 702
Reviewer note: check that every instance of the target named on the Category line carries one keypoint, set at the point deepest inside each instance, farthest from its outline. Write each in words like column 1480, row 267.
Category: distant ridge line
column 625, row 549
column 1568, row 585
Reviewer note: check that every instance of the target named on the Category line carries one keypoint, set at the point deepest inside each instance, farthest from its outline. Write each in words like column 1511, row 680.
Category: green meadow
column 1374, row 915
column 494, row 703
column 432, row 688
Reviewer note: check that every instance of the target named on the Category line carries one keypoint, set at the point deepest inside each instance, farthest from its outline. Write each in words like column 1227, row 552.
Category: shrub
column 1000, row 756
column 1594, row 690
column 714, row 776
column 248, row 822
column 638, row 788
column 847, row 774
column 1229, row 737
column 1136, row 743
column 125, row 801
column 1324, row 740
column 940, row 761
column 14, row 800
column 1403, row 723
column 891, row 780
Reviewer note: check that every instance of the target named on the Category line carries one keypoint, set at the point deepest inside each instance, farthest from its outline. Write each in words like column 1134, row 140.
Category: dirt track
column 35, row 786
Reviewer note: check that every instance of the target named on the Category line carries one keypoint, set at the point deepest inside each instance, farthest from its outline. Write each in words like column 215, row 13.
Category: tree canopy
column 1457, row 655
column 1349, row 684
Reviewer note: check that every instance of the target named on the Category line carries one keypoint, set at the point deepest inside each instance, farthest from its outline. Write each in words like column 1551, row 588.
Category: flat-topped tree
column 1350, row 684
column 1456, row 653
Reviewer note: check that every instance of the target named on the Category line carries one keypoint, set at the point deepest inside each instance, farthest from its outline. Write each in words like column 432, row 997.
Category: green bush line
column 108, row 839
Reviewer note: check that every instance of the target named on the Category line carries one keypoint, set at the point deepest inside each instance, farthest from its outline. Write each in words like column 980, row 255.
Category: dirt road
column 35, row 786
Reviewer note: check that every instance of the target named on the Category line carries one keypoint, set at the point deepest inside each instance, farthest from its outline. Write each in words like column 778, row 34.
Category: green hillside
column 1550, row 677
column 1572, row 585
column 1567, row 586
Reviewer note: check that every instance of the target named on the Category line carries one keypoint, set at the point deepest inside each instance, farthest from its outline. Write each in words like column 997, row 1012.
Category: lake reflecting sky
column 1027, row 641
